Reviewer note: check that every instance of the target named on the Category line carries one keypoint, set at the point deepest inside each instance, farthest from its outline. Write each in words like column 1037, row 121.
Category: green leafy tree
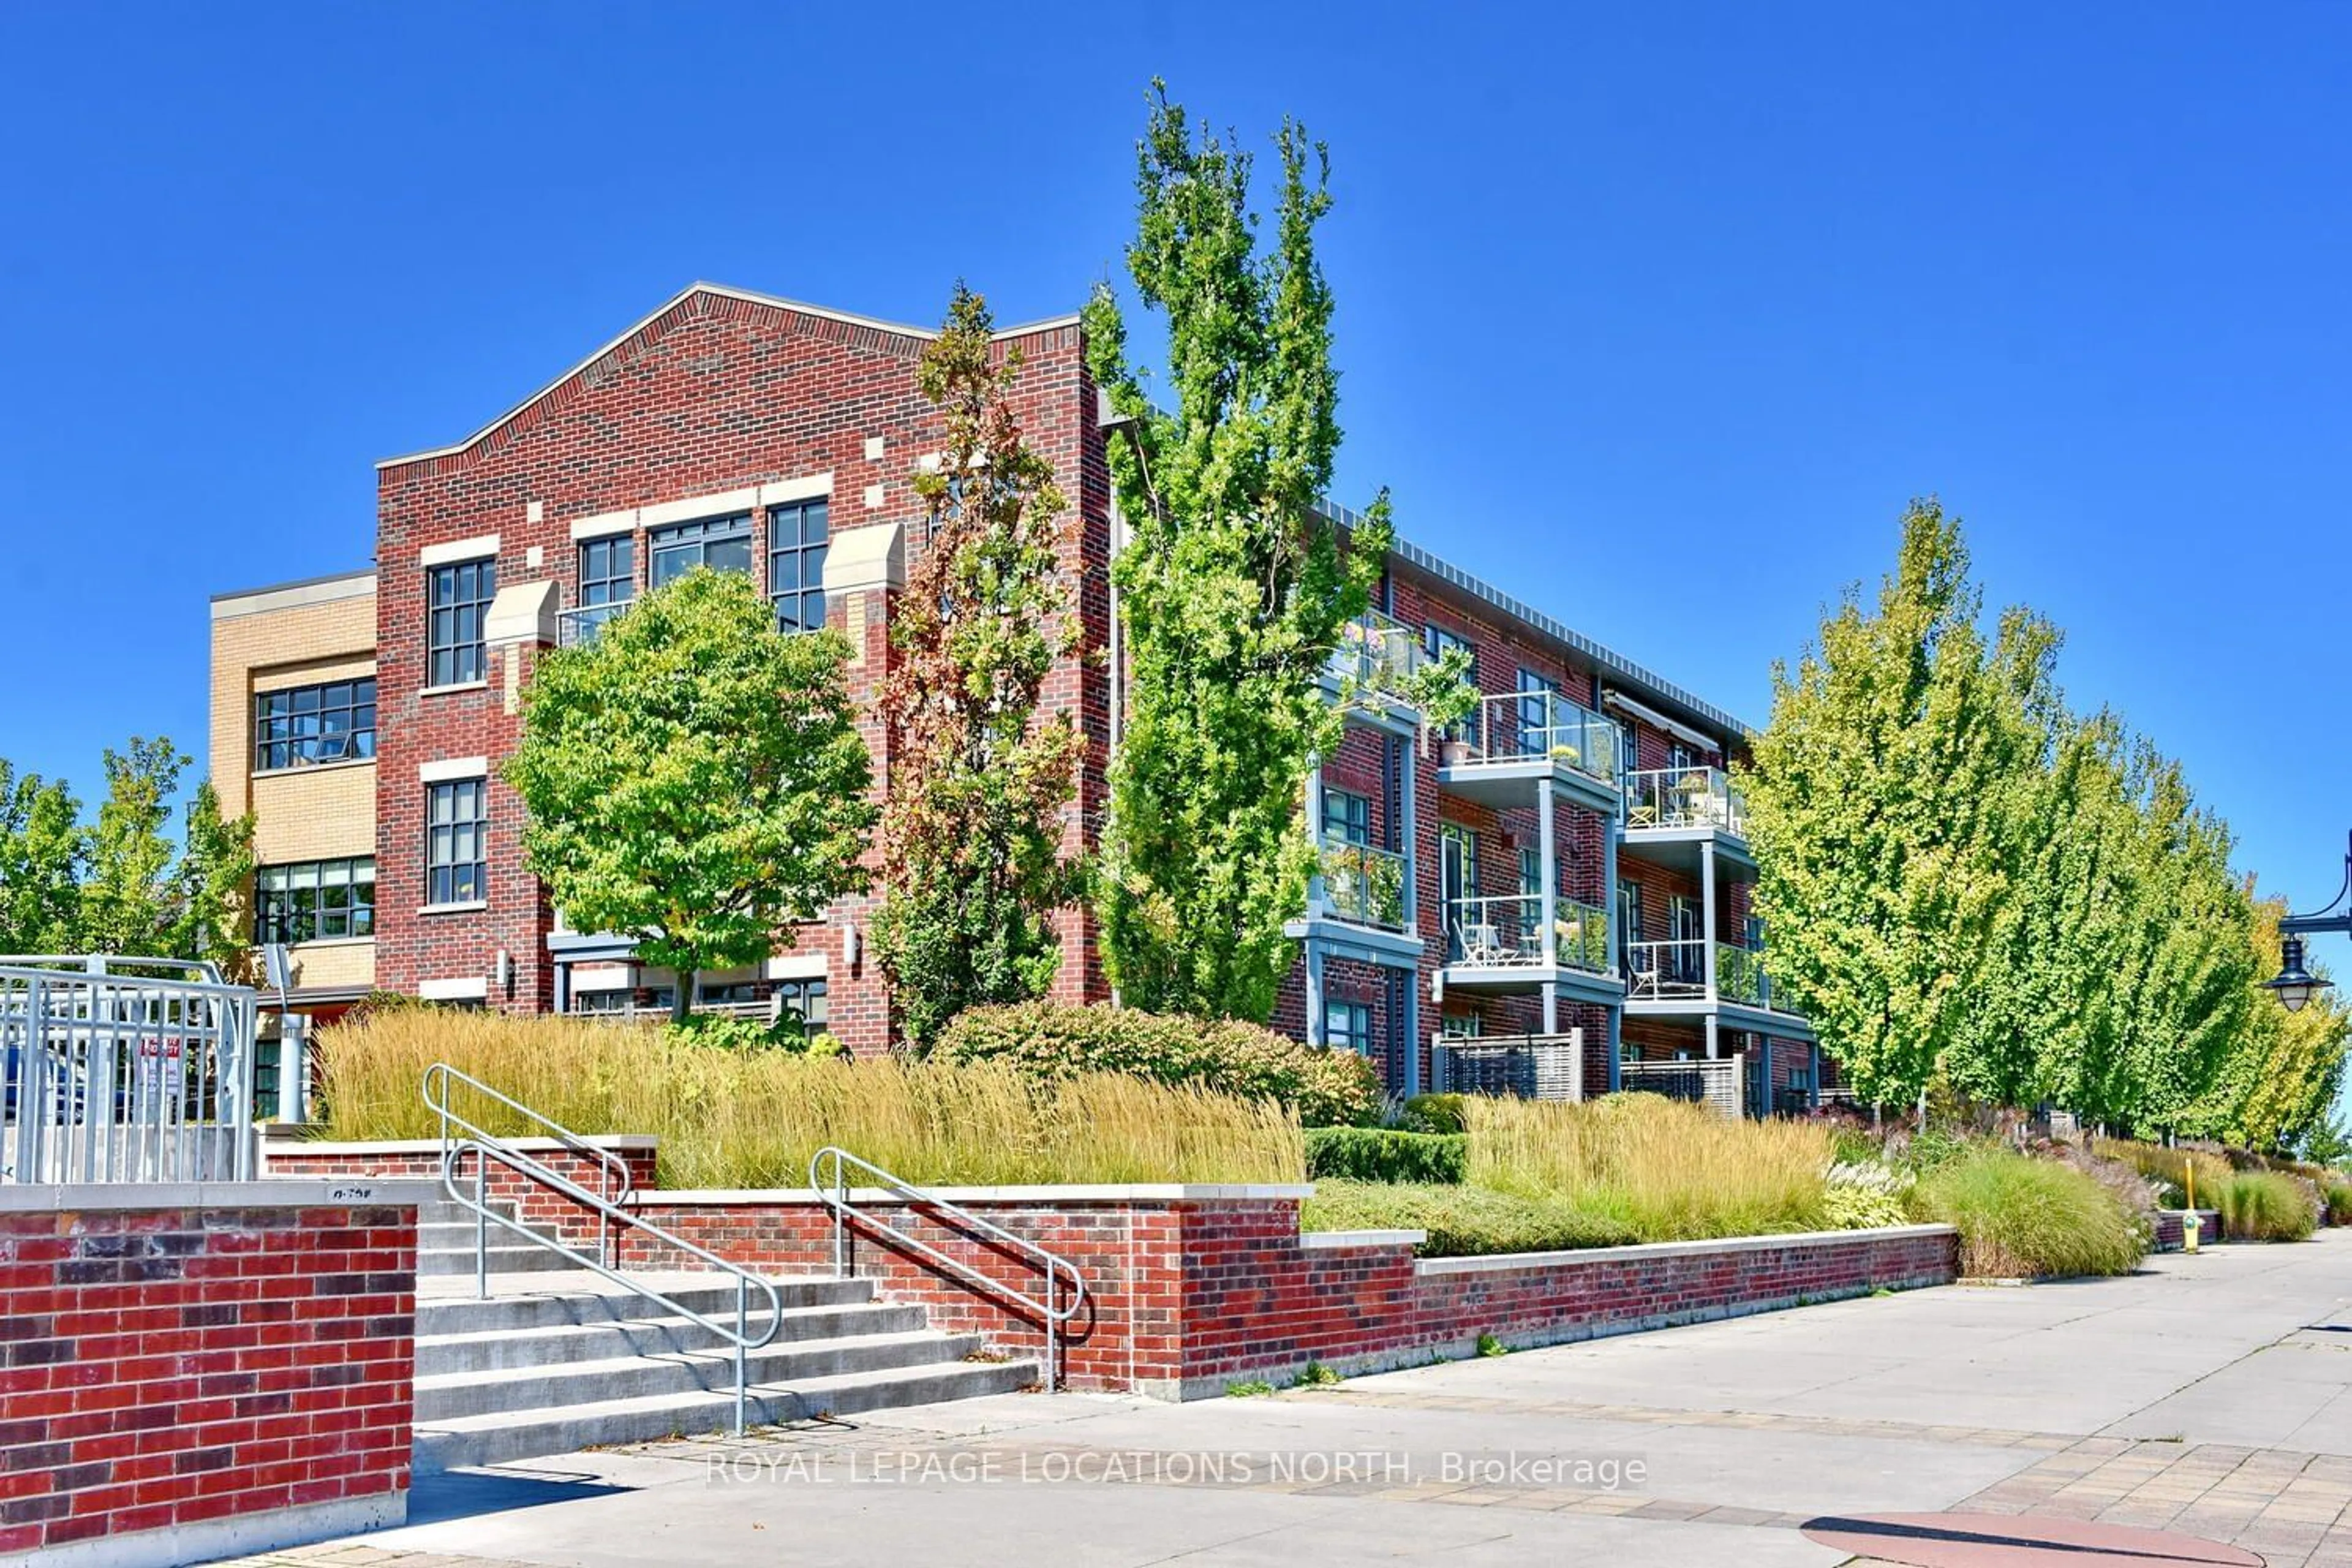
column 973, row 821
column 127, row 903
column 694, row 778
column 1235, row 589
column 209, row 901
column 41, row 852
column 1885, row 800
column 2278, row 1088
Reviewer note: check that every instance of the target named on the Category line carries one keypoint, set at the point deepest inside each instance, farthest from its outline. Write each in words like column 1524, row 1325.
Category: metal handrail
column 436, row 1079
column 1053, row 1263
column 485, row 1148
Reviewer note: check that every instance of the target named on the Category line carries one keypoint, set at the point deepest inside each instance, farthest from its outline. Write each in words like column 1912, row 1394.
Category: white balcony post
column 1549, row 892
column 1315, row 892
column 1714, row 1046
column 1315, row 993
column 1409, row 838
column 1706, row 916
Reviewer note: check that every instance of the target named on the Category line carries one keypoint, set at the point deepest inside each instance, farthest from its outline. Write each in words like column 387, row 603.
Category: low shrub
column 2170, row 1167
column 1461, row 1221
column 2265, row 1205
column 1379, row 1154
column 1667, row 1171
column 719, row 1032
column 2020, row 1216
column 1435, row 1113
column 1326, row 1087
column 2339, row 1198
column 1863, row 1195
column 752, row 1118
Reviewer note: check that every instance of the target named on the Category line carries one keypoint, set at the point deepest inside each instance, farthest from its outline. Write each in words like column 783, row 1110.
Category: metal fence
column 1533, row 1067
column 1720, row 1083
column 124, row 1069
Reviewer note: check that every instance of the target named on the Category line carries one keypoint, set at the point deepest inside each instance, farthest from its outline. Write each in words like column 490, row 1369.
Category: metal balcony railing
column 1676, row 970
column 1684, row 797
column 1506, row 932
column 1532, row 1067
column 1362, row 884
column 1377, row 652
column 573, row 627
column 1530, row 725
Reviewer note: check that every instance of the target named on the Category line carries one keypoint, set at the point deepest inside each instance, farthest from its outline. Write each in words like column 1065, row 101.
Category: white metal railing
column 573, row 627
column 757, row 1012
column 1506, row 932
column 1721, row 1084
column 1674, row 971
column 1532, row 1067
column 1362, row 884
column 461, row 1137
column 1684, row 797
column 1530, row 725
column 110, row 1073
column 1057, row 1308
column 1378, row 652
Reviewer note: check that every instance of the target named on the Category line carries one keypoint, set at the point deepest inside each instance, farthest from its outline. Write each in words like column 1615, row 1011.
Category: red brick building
column 1573, row 858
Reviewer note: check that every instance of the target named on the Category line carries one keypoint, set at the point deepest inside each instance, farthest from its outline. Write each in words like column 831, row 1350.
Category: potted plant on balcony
column 1569, row 755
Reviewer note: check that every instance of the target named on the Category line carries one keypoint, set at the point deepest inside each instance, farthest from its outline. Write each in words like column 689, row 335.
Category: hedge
column 1462, row 1222
column 1380, row 1154
column 1327, row 1088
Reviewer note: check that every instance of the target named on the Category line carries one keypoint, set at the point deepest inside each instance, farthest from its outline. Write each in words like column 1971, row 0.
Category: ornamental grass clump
column 752, row 1118
column 2025, row 1218
column 1667, row 1171
column 1460, row 1221
column 2265, row 1205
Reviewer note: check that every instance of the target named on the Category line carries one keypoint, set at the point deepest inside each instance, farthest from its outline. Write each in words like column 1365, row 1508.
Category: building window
column 1681, row 756
column 801, row 1002
column 797, row 536
column 1531, row 897
column 1462, row 1026
column 1346, row 818
column 1629, row 925
column 1536, row 713
column 314, row 901
column 456, row 831
column 722, row 543
column 601, row 1002
column 1347, row 1025
column 333, row 722
column 456, row 599
column 608, row 571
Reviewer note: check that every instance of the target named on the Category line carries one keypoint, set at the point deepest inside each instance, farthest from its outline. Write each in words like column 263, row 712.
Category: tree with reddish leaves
column 974, row 822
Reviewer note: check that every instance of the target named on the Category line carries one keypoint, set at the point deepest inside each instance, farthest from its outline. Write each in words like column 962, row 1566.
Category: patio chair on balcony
column 1482, row 942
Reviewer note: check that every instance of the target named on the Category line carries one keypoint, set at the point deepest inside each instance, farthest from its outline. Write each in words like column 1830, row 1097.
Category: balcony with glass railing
column 1377, row 653
column 1361, row 885
column 1506, row 932
column 1676, row 972
column 1660, row 799
column 1495, row 755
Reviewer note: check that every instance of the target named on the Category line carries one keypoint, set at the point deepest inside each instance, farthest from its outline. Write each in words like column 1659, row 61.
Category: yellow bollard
column 2189, row 1222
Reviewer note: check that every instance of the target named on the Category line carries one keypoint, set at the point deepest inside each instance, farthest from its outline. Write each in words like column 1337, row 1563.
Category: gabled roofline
column 751, row 297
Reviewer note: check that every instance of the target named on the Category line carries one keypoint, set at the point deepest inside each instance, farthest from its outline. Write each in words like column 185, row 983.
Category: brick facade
column 729, row 404
column 187, row 1377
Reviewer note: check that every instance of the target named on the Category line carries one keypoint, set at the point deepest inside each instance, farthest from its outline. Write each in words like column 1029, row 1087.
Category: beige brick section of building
column 297, row 634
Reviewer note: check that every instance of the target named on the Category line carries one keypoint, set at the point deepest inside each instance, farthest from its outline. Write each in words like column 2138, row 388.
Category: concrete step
column 555, row 1344
column 499, row 1437
column 448, row 1396
column 512, row 1255
column 446, row 1304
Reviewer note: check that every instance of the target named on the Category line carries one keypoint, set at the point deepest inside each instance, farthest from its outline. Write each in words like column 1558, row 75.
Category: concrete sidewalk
column 2206, row 1394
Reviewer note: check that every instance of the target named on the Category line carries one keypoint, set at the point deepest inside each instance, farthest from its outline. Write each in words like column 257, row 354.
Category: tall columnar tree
column 694, row 777
column 2279, row 1085
column 972, row 859
column 1234, row 589
column 1884, row 798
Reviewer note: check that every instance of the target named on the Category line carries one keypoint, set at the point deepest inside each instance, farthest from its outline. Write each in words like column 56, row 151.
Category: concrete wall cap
column 1660, row 1250
column 1166, row 1193
column 306, row 1192
column 275, row 1146
column 1319, row 1239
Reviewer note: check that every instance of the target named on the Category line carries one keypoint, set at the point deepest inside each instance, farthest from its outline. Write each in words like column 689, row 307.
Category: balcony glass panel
column 1526, row 725
column 1507, row 932
column 1363, row 885
column 1684, row 797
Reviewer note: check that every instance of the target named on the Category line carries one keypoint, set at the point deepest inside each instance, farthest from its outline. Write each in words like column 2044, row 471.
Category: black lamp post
column 2295, row 984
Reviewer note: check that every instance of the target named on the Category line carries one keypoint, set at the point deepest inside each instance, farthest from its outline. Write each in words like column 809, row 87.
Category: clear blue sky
column 1653, row 314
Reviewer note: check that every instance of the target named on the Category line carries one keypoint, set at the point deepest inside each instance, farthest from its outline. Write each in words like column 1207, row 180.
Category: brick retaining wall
column 190, row 1372
column 421, row 1158
column 1194, row 1287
